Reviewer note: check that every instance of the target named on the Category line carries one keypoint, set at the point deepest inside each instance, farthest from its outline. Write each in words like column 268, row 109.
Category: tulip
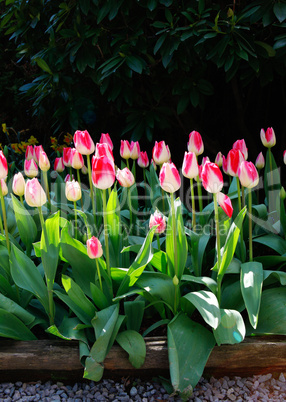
column 161, row 153
column 219, row 159
column 125, row 149
column 195, row 143
column 260, row 161
column 268, row 138
column 59, row 165
column 248, row 175
column 83, row 142
column 233, row 161
column 37, row 151
column 158, row 219
column 190, row 167
column 105, row 139
column 44, row 163
column 103, row 172
column 143, row 160
column 224, row 164
column 3, row 192
column 84, row 170
column 212, row 178
column 66, row 157
column 125, row 177
column 134, row 150
column 69, row 178
column 284, row 157
column 29, row 152
column 94, row 248
column 73, row 191
column 18, row 185
column 104, row 149
column 34, row 193
column 4, row 187
column 169, row 178
column 3, row 166
column 30, row 168
column 76, row 159
column 225, row 202
column 241, row 146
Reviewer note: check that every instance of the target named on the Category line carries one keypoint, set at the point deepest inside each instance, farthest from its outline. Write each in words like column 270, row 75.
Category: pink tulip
column 34, row 193
column 205, row 159
column 67, row 157
column 224, row 164
column 94, row 248
column 83, row 142
column 225, row 202
column 104, row 149
column 219, row 159
column 260, row 161
column 125, row 177
column 161, row 153
column 143, row 160
column 233, row 160
column 158, row 219
column 212, row 178
column 30, row 168
column 29, row 152
column 59, row 165
column 76, row 159
column 134, row 150
column 18, row 185
column 125, row 149
column 4, row 187
column 190, row 167
column 284, row 157
column 68, row 178
column 195, row 143
column 103, row 172
column 268, row 138
column 37, row 150
column 248, row 175
column 105, row 139
column 44, row 163
column 169, row 177
column 241, row 146
column 3, row 166
column 73, row 191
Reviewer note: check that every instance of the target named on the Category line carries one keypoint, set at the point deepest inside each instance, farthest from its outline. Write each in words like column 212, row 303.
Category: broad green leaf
column 231, row 329
column 114, row 227
column 272, row 183
column 133, row 343
column 251, row 280
column 12, row 327
column 280, row 275
column 67, row 330
column 273, row 241
column 154, row 326
column 159, row 261
column 43, row 65
column 14, row 308
column 134, row 311
column 78, row 311
column 25, row 223
column 207, row 305
column 203, row 280
column 231, row 297
column 279, row 10
column 50, row 240
column 98, row 297
column 189, row 347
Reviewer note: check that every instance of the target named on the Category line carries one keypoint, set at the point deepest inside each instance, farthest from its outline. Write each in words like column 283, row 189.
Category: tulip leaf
column 272, row 183
column 133, row 343
column 114, row 226
column 251, row 280
column 203, row 280
column 12, row 327
column 14, row 308
column 134, row 311
column 279, row 275
column 231, row 329
column 273, row 241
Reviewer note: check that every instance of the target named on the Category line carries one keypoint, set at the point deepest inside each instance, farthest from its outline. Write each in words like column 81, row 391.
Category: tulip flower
column 68, row 177
column 29, row 152
column 190, row 170
column 18, row 185
column 103, row 172
column 219, row 159
column 3, row 166
column 268, row 138
column 3, row 192
column 83, row 142
column 105, row 139
column 241, row 146
column 260, row 161
column 284, row 157
column 94, row 251
column 84, row 170
column 30, row 168
column 212, row 178
column 4, row 187
column 233, row 161
column 66, row 156
column 161, row 153
column 169, row 178
column 44, row 165
column 125, row 177
column 134, row 150
column 143, row 160
column 125, row 149
column 104, row 149
column 195, row 143
column 158, row 219
column 73, row 191
column 225, row 202
column 59, row 165
column 224, row 164
column 37, row 150
column 76, row 159
column 248, row 175
column 34, row 193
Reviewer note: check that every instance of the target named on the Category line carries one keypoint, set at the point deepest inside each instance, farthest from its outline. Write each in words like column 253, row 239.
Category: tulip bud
column 248, row 175
column 125, row 177
column 190, row 167
column 134, row 150
column 282, row 193
column 37, row 151
column 83, row 142
column 233, row 161
column 268, row 138
column 104, row 149
column 224, row 164
column 205, row 159
column 169, row 177
column 212, row 178
column 18, row 185
column 158, row 219
column 67, row 157
column 59, row 165
column 84, row 170
column 241, row 146
column 103, row 172
column 44, row 163
column 68, row 178
column 125, row 149
column 76, row 159
column 284, row 157
column 30, row 168
column 105, row 139
column 195, row 143
column 34, row 193
column 161, row 153
column 73, row 191
column 94, row 248
column 219, row 159
column 175, row 280
column 260, row 162
column 225, row 202
column 29, row 152
column 143, row 160
column 4, row 187
column 3, row 166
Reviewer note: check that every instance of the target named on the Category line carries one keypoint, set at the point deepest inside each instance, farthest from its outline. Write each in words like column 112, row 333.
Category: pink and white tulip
column 233, row 160
column 44, row 163
column 241, row 146
column 83, row 142
column 67, row 156
column 76, row 159
column 143, row 160
column 30, row 168
column 68, row 178
column 161, row 153
column 104, row 149
column 225, row 202
column 212, row 178
column 158, row 219
column 103, row 172
column 134, row 150
column 268, row 138
column 3, row 166
column 37, row 151
column 169, row 177
column 105, row 139
column 190, row 167
column 219, row 159
column 94, row 248
column 4, row 187
column 260, row 161
column 18, row 185
column 29, row 153
column 195, row 143
column 35, row 195
column 73, row 191
column 125, row 149
column 248, row 175
column 125, row 177
column 284, row 157
column 59, row 165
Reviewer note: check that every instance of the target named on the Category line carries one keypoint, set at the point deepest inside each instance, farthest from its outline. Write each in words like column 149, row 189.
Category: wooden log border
column 58, row 360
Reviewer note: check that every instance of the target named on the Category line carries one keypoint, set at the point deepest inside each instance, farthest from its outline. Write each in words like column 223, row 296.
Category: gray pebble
column 133, row 391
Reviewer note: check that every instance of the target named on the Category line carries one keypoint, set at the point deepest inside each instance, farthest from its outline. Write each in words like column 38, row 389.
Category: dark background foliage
column 146, row 69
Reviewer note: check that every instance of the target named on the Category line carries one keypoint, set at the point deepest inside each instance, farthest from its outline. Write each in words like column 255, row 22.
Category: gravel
column 261, row 388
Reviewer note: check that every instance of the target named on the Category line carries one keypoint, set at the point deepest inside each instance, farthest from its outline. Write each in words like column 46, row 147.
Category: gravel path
column 257, row 388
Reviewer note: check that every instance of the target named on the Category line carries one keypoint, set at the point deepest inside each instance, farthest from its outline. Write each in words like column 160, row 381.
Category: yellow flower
column 15, row 148
column 68, row 138
column 4, row 128
column 53, row 140
column 32, row 140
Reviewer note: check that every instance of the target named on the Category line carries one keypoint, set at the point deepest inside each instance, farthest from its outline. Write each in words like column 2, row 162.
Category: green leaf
column 133, row 343
column 281, row 276
column 12, row 327
column 269, row 49
column 135, row 64
column 49, row 245
column 273, row 241
column 114, row 225
column 134, row 311
column 189, row 347
column 68, row 330
column 279, row 10
column 207, row 305
column 251, row 280
column 231, row 329
column 203, row 280
column 14, row 308
column 43, row 65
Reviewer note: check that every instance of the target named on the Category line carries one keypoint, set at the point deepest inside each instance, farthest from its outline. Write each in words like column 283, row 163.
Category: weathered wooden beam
column 59, row 360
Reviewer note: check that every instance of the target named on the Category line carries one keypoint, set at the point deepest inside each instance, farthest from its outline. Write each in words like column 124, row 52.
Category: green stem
column 127, row 163
column 242, row 197
column 70, row 169
column 174, row 234
column 163, row 196
column 200, row 194
column 130, row 206
column 4, row 219
column 75, row 220
column 105, row 232
column 45, row 175
column 79, row 182
column 145, row 186
column 250, row 225
column 134, row 169
column 1, row 226
column 218, row 247
column 257, row 191
column 91, row 187
column 239, row 209
column 193, row 205
column 158, row 242
column 98, row 273
column 270, row 167
column 21, row 200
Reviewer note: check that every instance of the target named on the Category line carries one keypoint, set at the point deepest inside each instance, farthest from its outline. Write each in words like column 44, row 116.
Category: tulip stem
column 79, row 182
column 200, row 194
column 174, row 235
column 250, row 225
column 145, row 186
column 21, row 200
column 193, row 205
column 130, row 206
column 242, row 197
column 105, row 232
column 270, row 168
column 218, row 248
column 91, row 186
column 239, row 209
column 127, row 163
column 1, row 226
column 158, row 242
column 75, row 220
column 163, row 198
column 98, row 273
column 45, row 175
column 5, row 219
column 134, row 170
